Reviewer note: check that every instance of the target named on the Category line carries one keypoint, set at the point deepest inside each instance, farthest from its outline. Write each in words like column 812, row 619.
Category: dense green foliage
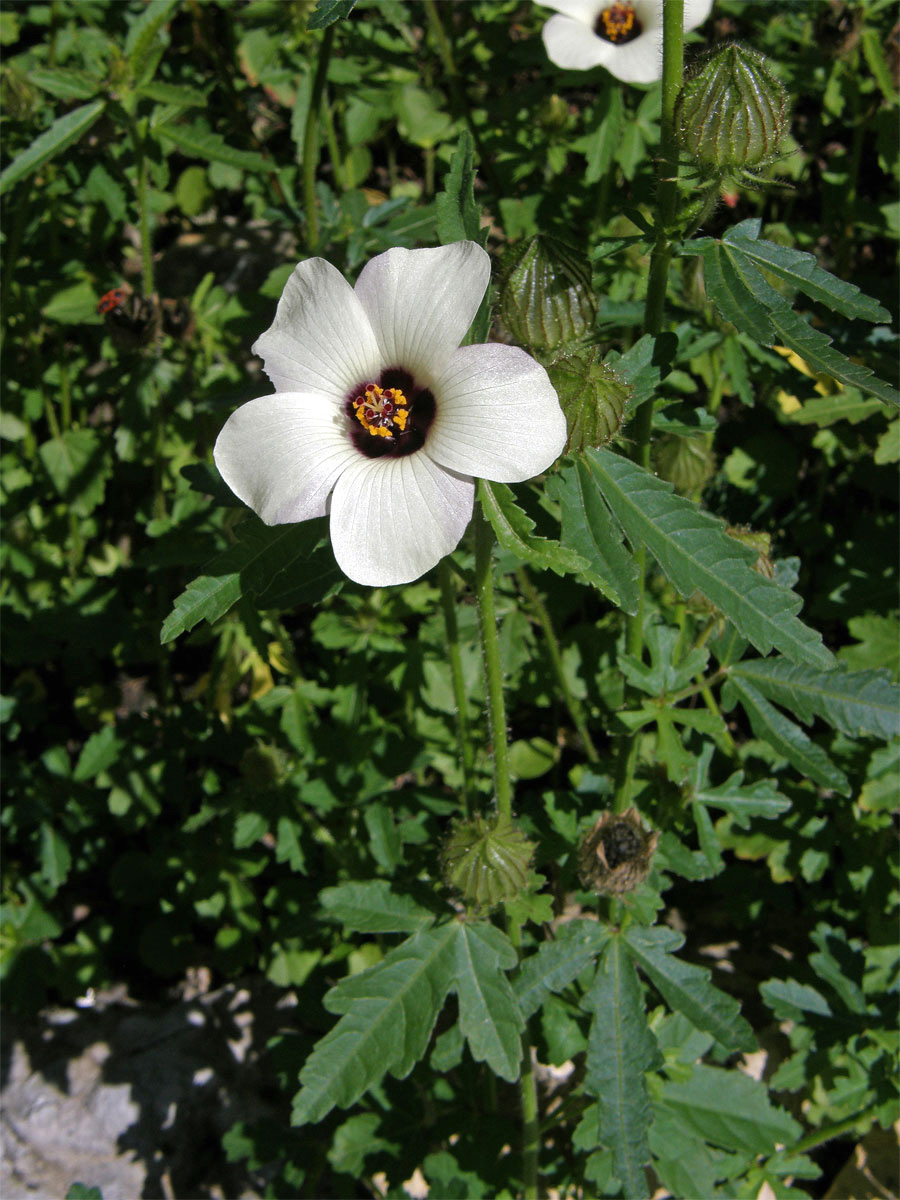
column 220, row 753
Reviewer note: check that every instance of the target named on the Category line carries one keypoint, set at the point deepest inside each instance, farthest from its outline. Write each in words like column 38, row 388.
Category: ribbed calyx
column 687, row 462
column 732, row 113
column 615, row 856
column 546, row 300
column 487, row 860
column 592, row 396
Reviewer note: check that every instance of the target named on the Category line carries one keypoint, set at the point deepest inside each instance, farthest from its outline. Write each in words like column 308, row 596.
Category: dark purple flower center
column 390, row 417
column 618, row 23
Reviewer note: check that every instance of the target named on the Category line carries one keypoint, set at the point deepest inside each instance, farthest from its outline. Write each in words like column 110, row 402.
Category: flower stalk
column 448, row 604
column 490, row 648
column 654, row 310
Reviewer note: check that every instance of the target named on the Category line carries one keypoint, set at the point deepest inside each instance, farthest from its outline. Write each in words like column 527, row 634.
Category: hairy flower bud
column 486, row 860
column 546, row 300
column 615, row 856
column 592, row 396
column 732, row 112
column 687, row 462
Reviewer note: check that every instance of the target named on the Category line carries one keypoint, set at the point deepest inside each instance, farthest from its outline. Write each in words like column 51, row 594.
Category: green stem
column 311, row 140
column 141, row 188
column 528, row 1097
column 821, row 1136
column 334, row 152
column 654, row 313
column 448, row 603
column 573, row 704
column 490, row 648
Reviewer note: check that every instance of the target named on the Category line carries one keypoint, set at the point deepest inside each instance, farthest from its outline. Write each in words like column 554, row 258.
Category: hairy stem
column 573, row 704
column 654, row 313
column 490, row 648
column 311, row 141
column 448, row 603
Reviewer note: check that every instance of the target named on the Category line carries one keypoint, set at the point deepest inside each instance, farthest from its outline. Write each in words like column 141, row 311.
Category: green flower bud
column 760, row 542
column 615, row 856
column 553, row 112
column 688, row 462
column 592, row 396
column 487, row 860
column 546, row 299
column 732, row 113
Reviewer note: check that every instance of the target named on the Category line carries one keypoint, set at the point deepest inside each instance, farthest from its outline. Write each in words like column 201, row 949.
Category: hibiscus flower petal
column 421, row 302
column 321, row 339
column 572, row 45
column 393, row 519
column 585, row 11
column 282, row 454
column 498, row 416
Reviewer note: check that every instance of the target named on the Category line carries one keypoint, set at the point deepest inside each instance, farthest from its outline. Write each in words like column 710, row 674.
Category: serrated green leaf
column 644, row 365
column 489, row 1016
column 802, row 270
column 65, row 83
column 687, row 989
column 696, row 554
column 785, row 737
column 599, row 147
column 515, row 532
column 56, row 858
column 620, row 1049
column 728, row 1109
column 142, row 34
column 61, row 134
column 287, row 845
column 855, row 702
column 873, row 49
column 255, row 566
column 846, row 405
column 587, row 529
column 816, row 349
column 727, row 290
column 388, row 1015
column 556, row 963
column 760, row 799
column 327, row 12
column 200, row 143
column 458, row 216
column 373, row 908
column 172, row 93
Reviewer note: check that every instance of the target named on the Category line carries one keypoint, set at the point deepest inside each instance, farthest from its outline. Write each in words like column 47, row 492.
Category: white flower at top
column 380, row 418
column 624, row 36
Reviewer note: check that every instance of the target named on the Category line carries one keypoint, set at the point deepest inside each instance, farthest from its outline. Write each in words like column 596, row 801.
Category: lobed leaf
column 728, row 1109
column 620, row 1049
column 489, row 1016
column 61, row 134
column 855, row 702
column 515, row 532
column 388, row 1015
column 761, row 799
column 556, row 963
column 687, row 989
column 587, row 529
column 785, row 737
column 372, row 907
column 696, row 554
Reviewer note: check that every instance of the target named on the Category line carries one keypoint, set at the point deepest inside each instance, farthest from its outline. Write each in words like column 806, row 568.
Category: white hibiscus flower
column 380, row 418
column 624, row 36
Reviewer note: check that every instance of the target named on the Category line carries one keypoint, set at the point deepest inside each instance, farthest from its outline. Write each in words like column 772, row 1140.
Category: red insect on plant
column 115, row 298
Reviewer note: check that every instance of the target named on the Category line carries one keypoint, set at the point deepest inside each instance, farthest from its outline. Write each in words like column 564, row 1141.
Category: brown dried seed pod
column 615, row 856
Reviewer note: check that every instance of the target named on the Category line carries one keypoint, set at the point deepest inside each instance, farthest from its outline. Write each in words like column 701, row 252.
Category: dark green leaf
column 61, row 134
column 327, row 12
column 64, row 83
column 79, row 466
column 458, row 216
column 80, row 1191
column 697, row 554
column 515, row 532
column 855, row 702
column 489, row 1016
column 142, row 33
column 98, row 754
column 588, row 530
column 200, row 143
column 56, row 858
column 785, row 737
column 556, row 963
column 687, row 989
column 373, row 908
column 620, row 1049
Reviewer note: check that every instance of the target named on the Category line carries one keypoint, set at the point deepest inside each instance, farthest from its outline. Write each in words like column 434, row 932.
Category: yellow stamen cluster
column 383, row 412
column 617, row 22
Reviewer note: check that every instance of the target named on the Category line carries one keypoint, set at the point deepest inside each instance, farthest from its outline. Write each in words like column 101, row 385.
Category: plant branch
column 448, row 603
column 490, row 647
